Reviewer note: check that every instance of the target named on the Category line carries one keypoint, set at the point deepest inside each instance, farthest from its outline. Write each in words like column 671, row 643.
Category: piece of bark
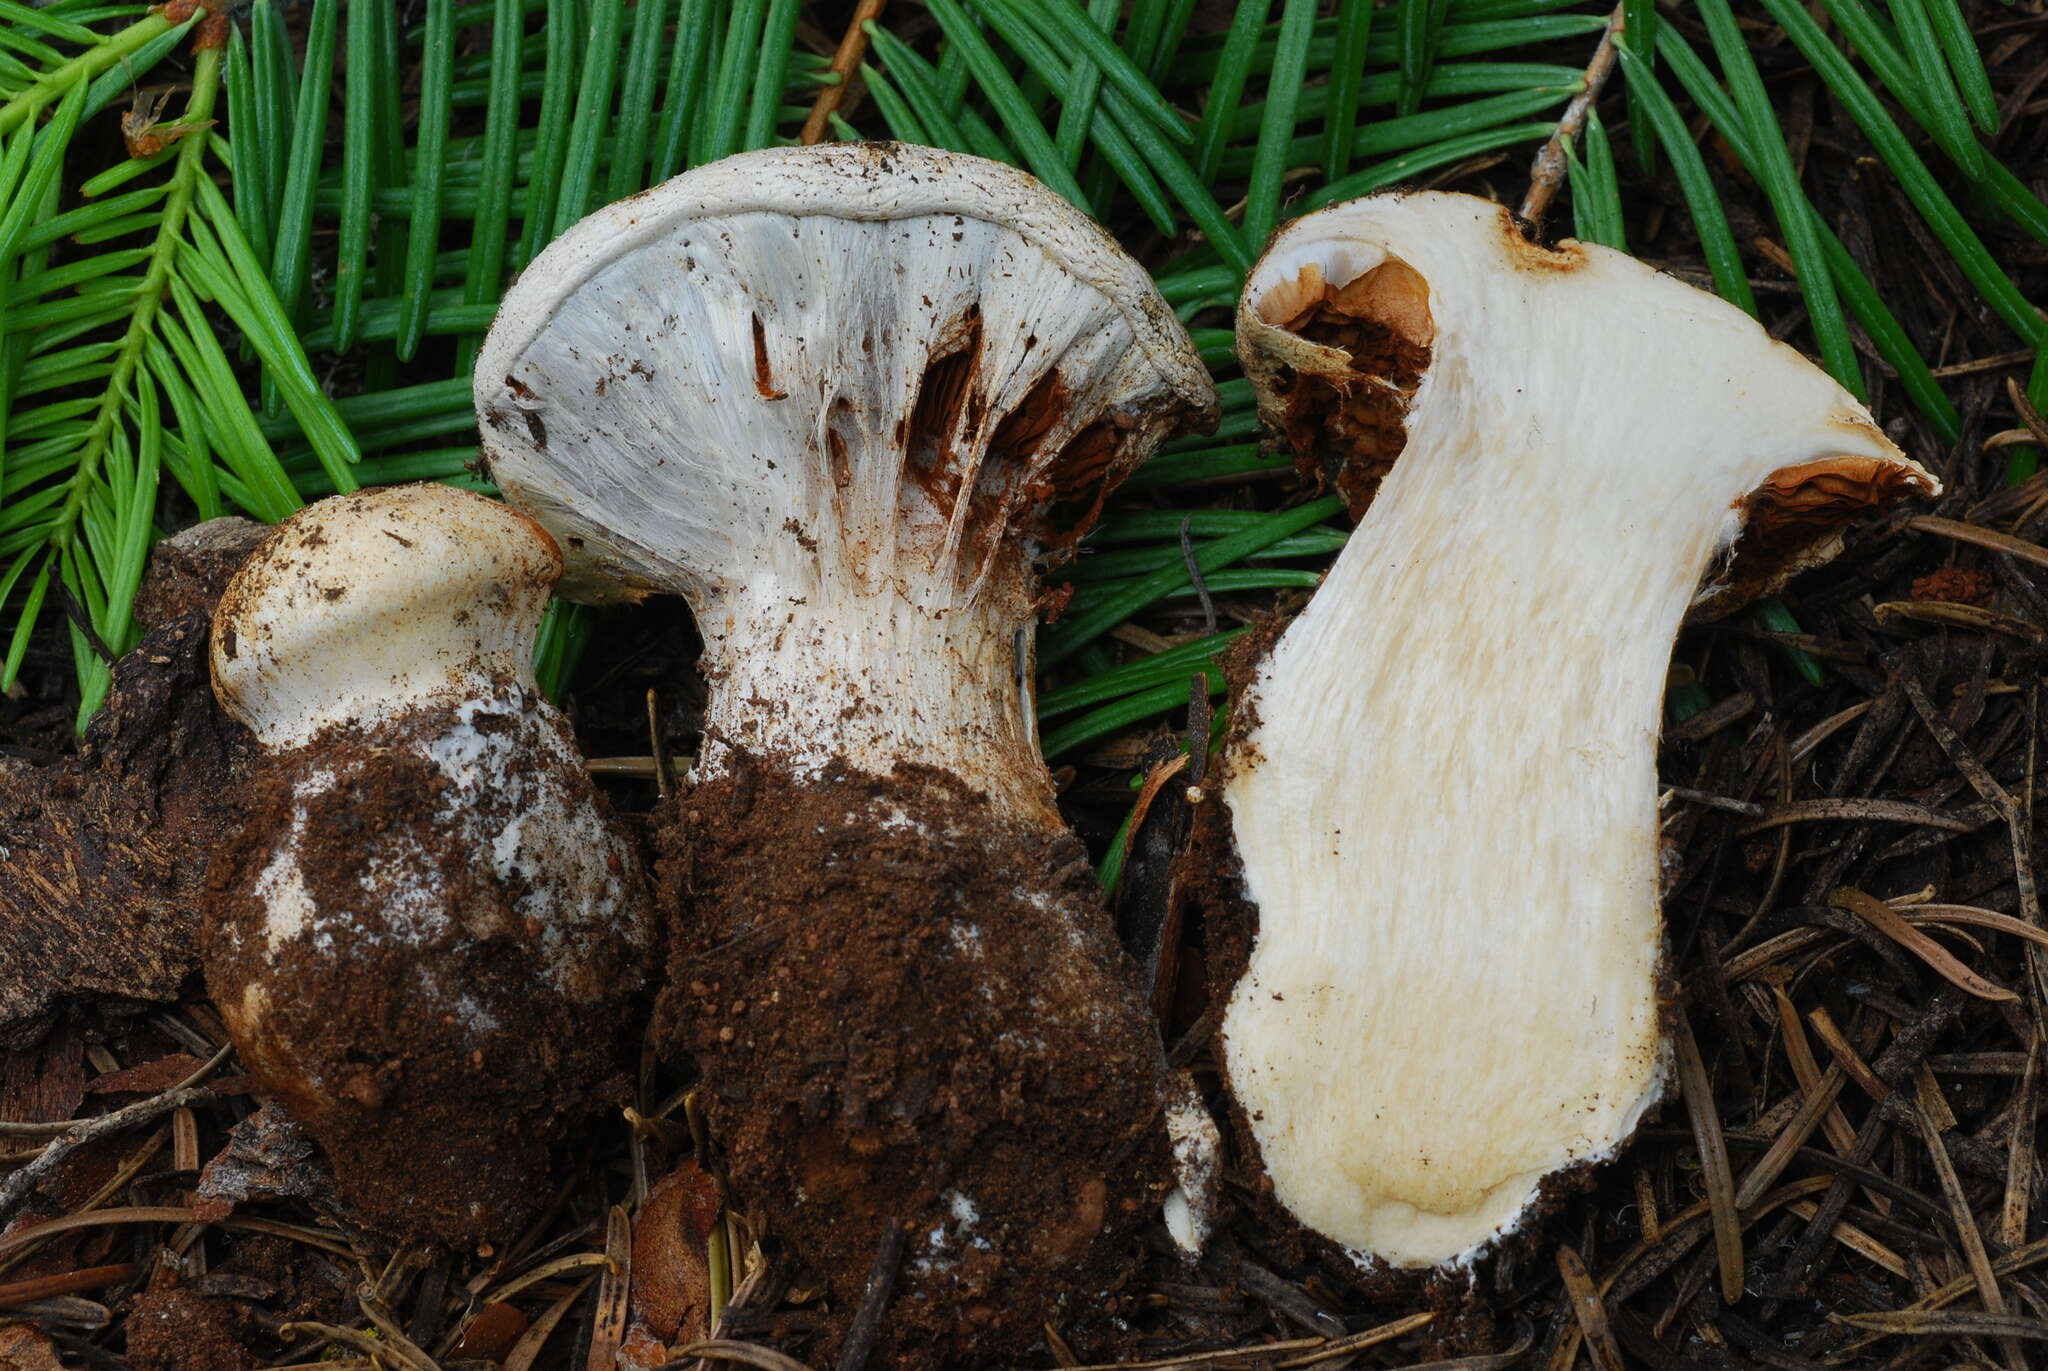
column 24, row 1347
column 45, row 1082
column 191, row 569
column 268, row 1156
column 102, row 854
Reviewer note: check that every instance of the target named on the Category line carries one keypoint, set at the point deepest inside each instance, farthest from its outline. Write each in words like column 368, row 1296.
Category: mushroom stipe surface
column 843, row 400
column 431, row 937
column 1443, row 792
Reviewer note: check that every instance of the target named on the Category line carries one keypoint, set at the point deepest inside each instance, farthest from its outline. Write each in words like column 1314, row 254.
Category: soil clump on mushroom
column 931, row 998
column 458, row 1037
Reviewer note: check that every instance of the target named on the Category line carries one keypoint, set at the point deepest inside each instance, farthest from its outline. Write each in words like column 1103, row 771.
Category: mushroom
column 430, row 935
column 1441, row 793
column 841, row 399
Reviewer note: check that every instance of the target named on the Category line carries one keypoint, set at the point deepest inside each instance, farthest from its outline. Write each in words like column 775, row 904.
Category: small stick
column 1974, row 1253
column 1546, row 173
column 1982, row 537
column 64, row 1283
column 664, row 770
column 2012, row 1215
column 874, row 1298
column 852, row 48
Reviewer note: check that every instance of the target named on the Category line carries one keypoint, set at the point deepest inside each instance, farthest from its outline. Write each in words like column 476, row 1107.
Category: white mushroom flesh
column 1446, row 802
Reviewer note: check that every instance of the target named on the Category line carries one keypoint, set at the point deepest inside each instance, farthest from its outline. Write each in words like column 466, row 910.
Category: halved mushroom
column 842, row 399
column 430, row 937
column 1443, row 788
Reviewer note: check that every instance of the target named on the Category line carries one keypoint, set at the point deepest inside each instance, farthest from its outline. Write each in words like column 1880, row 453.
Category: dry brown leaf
column 670, row 1301
column 26, row 1348
column 147, row 1079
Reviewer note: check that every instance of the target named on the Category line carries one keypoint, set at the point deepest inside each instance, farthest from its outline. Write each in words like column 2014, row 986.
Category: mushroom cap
column 360, row 603
column 686, row 373
column 1577, row 334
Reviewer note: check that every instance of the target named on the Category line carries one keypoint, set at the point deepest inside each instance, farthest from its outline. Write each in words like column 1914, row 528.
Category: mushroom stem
column 867, row 679
column 1445, row 801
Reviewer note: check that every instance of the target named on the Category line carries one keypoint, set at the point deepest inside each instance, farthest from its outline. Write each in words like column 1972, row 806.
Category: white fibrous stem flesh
column 1445, row 798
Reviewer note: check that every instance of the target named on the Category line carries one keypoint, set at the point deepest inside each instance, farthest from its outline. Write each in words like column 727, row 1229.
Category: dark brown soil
column 175, row 1330
column 911, row 1012
column 191, row 569
column 413, row 1023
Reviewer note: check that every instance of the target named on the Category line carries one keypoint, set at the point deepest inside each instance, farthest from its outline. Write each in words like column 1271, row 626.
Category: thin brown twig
column 2029, row 416
column 874, row 1299
column 1982, row 537
column 528, row 1349
column 17, row 1186
column 852, row 47
column 1974, row 1253
column 2019, row 1176
column 608, row 1325
column 63, row 1126
column 743, row 1353
column 394, row 1344
column 64, row 1283
column 1546, row 173
column 1589, row 1309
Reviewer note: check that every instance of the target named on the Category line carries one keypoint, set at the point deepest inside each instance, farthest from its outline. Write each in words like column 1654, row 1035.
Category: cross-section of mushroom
column 843, row 399
column 1443, row 792
column 430, row 936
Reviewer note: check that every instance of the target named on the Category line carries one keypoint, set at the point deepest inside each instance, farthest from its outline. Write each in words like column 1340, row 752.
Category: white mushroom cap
column 361, row 605
column 1446, row 803
column 827, row 394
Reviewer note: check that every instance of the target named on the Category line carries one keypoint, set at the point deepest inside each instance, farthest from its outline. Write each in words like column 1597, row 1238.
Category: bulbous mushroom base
column 911, row 1010
column 431, row 946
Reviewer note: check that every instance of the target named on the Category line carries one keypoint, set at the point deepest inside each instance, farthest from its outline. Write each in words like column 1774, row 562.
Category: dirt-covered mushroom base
column 911, row 1012
column 377, row 965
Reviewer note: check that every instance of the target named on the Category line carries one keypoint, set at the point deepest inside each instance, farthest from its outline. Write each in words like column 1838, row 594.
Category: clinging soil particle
column 911, row 1011
column 176, row 1330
